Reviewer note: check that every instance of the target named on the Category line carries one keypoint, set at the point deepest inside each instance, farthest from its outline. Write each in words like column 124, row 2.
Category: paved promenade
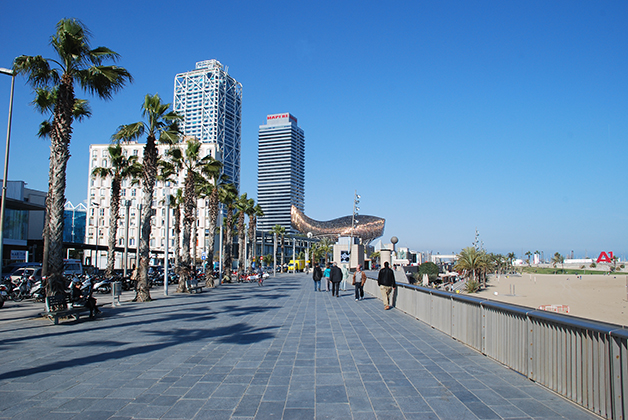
column 240, row 351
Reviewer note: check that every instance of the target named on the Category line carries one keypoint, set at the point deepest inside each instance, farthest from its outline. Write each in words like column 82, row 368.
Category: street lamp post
column 6, row 162
column 356, row 209
column 127, row 205
column 97, row 232
column 167, row 239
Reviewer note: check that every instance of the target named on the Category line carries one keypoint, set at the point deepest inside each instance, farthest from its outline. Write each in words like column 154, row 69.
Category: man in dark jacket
column 317, row 276
column 386, row 281
column 335, row 277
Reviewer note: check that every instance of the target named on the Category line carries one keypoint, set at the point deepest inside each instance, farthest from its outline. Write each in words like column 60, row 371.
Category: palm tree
column 193, row 166
column 529, row 255
column 326, row 247
column 255, row 211
column 510, row 257
column 161, row 126
column 244, row 205
column 210, row 188
column 76, row 62
column 228, row 195
column 45, row 100
column 121, row 168
column 280, row 232
column 472, row 263
column 557, row 259
column 176, row 202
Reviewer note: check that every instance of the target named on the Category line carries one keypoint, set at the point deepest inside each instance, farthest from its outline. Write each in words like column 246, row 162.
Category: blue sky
column 446, row 117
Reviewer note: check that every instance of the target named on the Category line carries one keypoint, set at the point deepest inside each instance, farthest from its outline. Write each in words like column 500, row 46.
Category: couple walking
column 385, row 280
column 331, row 274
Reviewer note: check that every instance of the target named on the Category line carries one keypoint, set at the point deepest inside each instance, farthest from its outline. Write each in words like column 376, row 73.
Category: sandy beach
column 597, row 297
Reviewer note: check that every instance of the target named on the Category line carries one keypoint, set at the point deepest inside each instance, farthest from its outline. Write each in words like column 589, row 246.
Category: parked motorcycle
column 4, row 294
column 103, row 285
column 20, row 290
column 38, row 291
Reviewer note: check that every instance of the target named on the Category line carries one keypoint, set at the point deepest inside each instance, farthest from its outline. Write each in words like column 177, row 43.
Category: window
column 134, row 152
column 104, row 163
column 133, row 192
column 131, row 242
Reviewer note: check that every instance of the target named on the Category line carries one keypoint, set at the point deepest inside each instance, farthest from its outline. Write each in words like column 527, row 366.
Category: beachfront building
column 280, row 171
column 98, row 209
column 210, row 101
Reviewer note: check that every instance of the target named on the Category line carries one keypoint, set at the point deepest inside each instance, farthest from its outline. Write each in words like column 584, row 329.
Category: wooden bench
column 194, row 286
column 59, row 307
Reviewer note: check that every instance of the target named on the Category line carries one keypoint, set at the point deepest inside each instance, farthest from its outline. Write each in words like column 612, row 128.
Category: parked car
column 33, row 274
column 11, row 268
column 72, row 267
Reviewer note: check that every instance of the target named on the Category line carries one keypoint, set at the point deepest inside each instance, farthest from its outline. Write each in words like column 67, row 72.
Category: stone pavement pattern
column 240, row 351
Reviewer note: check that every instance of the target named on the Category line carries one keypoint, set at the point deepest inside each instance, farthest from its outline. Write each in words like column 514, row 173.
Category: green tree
column 557, row 259
column 430, row 269
column 254, row 212
column 161, row 126
column 210, row 188
column 280, row 233
column 243, row 205
column 122, row 168
column 472, row 263
column 228, row 195
column 510, row 258
column 189, row 161
column 76, row 62
column 529, row 255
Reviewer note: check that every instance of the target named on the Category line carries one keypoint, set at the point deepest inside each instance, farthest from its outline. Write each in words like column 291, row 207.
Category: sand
column 598, row 297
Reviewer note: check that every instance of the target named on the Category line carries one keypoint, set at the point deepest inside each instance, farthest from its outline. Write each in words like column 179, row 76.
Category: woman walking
column 326, row 275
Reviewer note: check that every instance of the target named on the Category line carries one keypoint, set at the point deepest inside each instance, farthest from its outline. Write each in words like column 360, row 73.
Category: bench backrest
column 56, row 303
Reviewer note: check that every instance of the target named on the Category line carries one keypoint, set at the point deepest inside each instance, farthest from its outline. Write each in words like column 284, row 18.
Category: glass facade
column 15, row 224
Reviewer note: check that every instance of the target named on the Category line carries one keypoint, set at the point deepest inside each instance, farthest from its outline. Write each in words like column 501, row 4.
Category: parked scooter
column 103, row 286
column 20, row 290
column 38, row 291
column 4, row 294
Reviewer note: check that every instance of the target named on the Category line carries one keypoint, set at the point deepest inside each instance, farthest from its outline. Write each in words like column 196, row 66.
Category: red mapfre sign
column 276, row 117
column 281, row 116
column 604, row 257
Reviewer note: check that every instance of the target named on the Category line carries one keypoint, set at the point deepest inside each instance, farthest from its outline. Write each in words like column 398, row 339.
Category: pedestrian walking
column 326, row 275
column 335, row 277
column 317, row 276
column 387, row 284
column 359, row 278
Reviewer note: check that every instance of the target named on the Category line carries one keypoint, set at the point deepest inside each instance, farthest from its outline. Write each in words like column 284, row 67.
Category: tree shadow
column 240, row 333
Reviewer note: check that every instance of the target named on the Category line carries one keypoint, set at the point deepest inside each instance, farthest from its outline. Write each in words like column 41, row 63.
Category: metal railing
column 582, row 360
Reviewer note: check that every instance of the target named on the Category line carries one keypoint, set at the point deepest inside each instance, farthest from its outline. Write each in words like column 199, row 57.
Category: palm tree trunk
column 149, row 164
column 177, row 240
column 213, row 219
column 188, row 220
column 59, row 155
column 113, row 226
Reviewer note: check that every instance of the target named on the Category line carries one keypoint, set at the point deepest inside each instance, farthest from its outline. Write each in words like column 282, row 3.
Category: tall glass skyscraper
column 211, row 103
column 280, row 171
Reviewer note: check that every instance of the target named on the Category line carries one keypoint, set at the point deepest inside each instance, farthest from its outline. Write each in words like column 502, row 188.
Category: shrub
column 472, row 286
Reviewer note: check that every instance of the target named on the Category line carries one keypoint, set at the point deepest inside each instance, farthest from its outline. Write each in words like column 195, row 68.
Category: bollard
column 116, row 291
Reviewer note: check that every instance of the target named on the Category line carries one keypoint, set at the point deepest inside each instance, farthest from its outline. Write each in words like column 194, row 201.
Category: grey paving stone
column 231, row 354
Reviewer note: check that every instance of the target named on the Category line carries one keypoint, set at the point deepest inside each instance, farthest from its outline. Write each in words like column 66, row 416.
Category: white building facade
column 210, row 100
column 98, row 209
column 280, row 171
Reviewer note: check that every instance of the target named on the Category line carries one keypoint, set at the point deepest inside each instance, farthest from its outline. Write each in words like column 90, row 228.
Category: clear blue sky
column 509, row 117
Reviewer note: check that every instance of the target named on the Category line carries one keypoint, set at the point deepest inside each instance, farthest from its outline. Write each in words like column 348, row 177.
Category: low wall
column 582, row 360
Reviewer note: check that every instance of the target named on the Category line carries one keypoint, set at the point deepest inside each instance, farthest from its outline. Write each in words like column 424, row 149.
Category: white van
column 72, row 267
